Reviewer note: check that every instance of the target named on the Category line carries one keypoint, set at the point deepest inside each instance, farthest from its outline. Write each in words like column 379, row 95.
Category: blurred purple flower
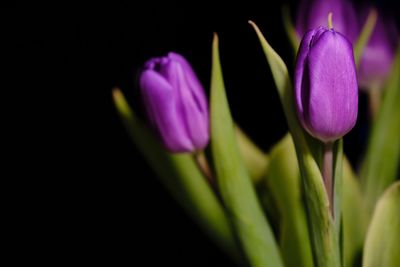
column 314, row 13
column 175, row 102
column 325, row 84
column 378, row 54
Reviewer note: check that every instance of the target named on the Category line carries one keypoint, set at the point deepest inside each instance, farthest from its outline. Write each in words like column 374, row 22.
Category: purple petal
column 192, row 102
column 192, row 80
column 351, row 27
column 318, row 15
column 299, row 83
column 333, row 95
column 160, row 99
column 379, row 53
column 194, row 116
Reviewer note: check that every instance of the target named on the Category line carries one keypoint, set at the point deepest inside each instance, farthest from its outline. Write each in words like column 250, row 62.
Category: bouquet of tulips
column 324, row 213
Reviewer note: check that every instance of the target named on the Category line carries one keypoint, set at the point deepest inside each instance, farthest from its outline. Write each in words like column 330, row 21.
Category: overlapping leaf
column 181, row 176
column 284, row 183
column 382, row 242
column 381, row 163
column 324, row 237
column 252, row 228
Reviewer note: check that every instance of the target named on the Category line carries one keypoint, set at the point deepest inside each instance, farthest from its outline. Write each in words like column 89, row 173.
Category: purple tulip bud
column 314, row 13
column 378, row 55
column 325, row 84
column 176, row 103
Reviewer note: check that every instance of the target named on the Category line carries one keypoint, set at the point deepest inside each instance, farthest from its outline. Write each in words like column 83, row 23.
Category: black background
column 79, row 191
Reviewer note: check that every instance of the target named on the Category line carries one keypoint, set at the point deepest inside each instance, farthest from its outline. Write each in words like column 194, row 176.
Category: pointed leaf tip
column 116, row 94
column 215, row 39
column 257, row 30
column 323, row 236
column 254, row 25
column 237, row 192
column 120, row 102
column 365, row 35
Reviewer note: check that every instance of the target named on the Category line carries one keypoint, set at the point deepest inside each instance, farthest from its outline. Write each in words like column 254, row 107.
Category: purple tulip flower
column 176, row 103
column 314, row 13
column 325, row 84
column 378, row 55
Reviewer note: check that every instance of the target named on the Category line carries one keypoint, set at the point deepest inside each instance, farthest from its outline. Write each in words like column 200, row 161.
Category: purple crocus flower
column 314, row 13
column 175, row 102
column 378, row 55
column 325, row 84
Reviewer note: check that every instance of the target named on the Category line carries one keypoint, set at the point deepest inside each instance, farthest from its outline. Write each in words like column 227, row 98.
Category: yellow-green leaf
column 365, row 34
column 180, row 175
column 354, row 217
column 284, row 182
column 324, row 237
column 382, row 243
column 290, row 29
column 255, row 159
column 381, row 164
column 251, row 226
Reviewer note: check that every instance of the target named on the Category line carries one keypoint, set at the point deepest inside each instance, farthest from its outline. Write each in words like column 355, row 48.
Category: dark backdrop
column 80, row 192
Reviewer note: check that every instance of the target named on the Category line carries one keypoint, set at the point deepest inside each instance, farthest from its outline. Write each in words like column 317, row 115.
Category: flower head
column 175, row 102
column 325, row 83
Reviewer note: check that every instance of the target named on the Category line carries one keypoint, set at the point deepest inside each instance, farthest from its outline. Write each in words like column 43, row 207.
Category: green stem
column 327, row 173
column 202, row 163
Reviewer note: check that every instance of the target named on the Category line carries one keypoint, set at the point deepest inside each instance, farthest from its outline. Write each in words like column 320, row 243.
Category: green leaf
column 180, row 175
column 290, row 29
column 255, row 159
column 381, row 163
column 354, row 217
column 236, row 189
column 284, row 184
column 382, row 242
column 322, row 230
column 365, row 34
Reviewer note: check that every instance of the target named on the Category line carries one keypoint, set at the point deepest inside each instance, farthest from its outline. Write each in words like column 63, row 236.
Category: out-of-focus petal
column 192, row 80
column 379, row 52
column 160, row 99
column 314, row 13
